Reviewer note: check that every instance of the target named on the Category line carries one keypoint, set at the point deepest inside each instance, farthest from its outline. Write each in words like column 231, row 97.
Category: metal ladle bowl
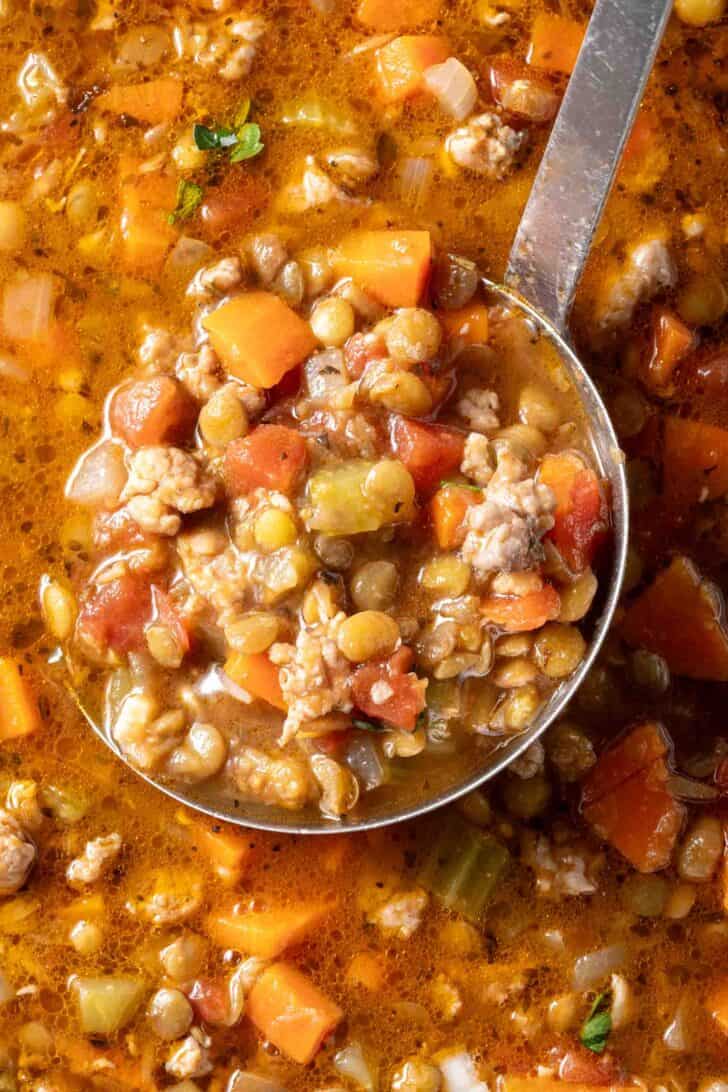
column 548, row 255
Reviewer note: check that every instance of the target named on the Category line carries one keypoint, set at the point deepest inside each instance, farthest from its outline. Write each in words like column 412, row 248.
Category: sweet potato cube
column 259, row 338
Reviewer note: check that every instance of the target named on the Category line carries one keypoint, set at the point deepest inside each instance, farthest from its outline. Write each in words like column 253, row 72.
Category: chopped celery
column 66, row 804
column 310, row 111
column 463, row 867
column 107, row 1004
column 360, row 496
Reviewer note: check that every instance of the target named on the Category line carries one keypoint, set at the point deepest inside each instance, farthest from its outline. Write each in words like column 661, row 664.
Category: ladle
column 549, row 252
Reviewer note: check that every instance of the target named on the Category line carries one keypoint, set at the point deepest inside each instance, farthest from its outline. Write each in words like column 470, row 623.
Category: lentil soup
column 313, row 524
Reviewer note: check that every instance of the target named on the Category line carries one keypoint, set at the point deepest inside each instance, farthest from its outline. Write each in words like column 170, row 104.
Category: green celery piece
column 463, row 867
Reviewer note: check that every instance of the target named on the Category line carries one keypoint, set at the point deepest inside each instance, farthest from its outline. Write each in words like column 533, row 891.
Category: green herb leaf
column 241, row 114
column 598, row 1024
column 460, row 485
column 249, row 143
column 189, row 196
column 207, row 139
column 369, row 726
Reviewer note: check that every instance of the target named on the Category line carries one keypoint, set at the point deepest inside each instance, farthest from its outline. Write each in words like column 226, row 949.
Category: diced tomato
column 580, row 1066
column 430, row 452
column 672, row 340
column 695, row 461
column 522, row 613
column 113, row 615
column 210, row 1001
column 233, row 205
column 525, row 94
column 360, row 350
column 627, row 800
column 408, row 698
column 270, row 457
column 448, row 509
column 153, row 411
column 402, row 63
column 680, row 616
column 167, row 615
column 581, row 518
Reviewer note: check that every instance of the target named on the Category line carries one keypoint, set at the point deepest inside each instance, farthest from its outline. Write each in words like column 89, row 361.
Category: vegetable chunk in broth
column 311, row 522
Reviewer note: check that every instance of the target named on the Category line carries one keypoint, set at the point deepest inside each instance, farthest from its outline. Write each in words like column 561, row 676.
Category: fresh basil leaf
column 241, row 114
column 207, row 139
column 189, row 196
column 249, row 143
column 369, row 726
column 461, row 485
column 597, row 1026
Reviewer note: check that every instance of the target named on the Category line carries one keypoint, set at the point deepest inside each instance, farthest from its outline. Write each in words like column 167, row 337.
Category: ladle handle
column 581, row 158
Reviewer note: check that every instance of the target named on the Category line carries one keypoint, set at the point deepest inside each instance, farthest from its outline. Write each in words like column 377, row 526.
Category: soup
column 277, row 469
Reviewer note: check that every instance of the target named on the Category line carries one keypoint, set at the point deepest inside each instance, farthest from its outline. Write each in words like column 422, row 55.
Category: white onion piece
column 594, row 967
column 187, row 255
column 98, row 477
column 676, row 1035
column 215, row 681
column 350, row 1062
column 415, row 181
column 10, row 368
column 453, row 86
column 460, row 1075
column 244, row 1081
column 28, row 307
column 363, row 758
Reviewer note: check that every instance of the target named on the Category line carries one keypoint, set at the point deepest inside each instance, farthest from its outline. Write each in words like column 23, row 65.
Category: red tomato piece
column 270, row 457
column 167, row 615
column 233, row 205
column 360, row 350
column 522, row 613
column 113, row 615
column 430, row 452
column 580, row 1066
column 153, row 411
column 581, row 518
column 209, row 999
column 408, row 698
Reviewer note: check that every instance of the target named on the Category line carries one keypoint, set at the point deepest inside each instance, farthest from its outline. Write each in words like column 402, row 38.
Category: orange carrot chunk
column 392, row 266
column 291, row 1012
column 555, row 43
column 695, row 461
column 448, row 509
column 256, row 674
column 157, row 410
column 154, row 102
column 581, row 518
column 384, row 15
column 228, row 851
column 270, row 457
column 19, row 713
column 522, row 613
column 402, row 63
column 470, row 325
column 146, row 235
column 627, row 801
column 259, row 338
column 680, row 616
column 266, row 933
column 672, row 340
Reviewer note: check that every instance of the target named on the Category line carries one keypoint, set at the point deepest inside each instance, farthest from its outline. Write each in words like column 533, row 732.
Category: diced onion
column 415, row 180
column 312, row 112
column 594, row 967
column 675, row 1036
column 460, row 1075
column 453, row 86
column 99, row 477
column 363, row 758
column 28, row 306
column 243, row 1081
column 350, row 1062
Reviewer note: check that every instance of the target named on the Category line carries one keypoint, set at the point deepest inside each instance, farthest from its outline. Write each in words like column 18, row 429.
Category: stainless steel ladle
column 548, row 255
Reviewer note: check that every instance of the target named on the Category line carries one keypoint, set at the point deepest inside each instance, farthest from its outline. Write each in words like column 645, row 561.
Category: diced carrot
column 266, row 933
column 680, row 616
column 259, row 338
column 384, row 15
column 555, row 43
column 154, row 102
column 672, row 340
column 627, row 800
column 256, row 674
column 19, row 713
column 291, row 1012
column 522, row 613
column 228, row 851
column 392, row 266
column 407, row 699
column 448, row 509
column 581, row 518
column 233, row 205
column 430, row 452
column 717, row 1004
column 270, row 457
column 157, row 410
column 366, row 970
column 402, row 63
column 470, row 325
column 695, row 461
column 146, row 234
